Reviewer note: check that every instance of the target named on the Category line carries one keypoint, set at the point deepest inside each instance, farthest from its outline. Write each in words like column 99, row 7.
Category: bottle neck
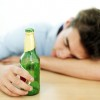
column 29, row 43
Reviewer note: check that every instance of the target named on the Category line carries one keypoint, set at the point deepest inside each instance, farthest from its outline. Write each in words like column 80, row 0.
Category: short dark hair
column 88, row 24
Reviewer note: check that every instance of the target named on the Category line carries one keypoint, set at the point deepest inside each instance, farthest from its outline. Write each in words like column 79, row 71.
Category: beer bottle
column 30, row 61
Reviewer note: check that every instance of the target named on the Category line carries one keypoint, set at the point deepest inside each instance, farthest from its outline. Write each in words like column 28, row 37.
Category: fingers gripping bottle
column 30, row 61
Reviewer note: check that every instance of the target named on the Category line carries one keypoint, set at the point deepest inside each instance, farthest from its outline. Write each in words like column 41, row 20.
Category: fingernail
column 31, row 88
column 26, row 92
column 32, row 79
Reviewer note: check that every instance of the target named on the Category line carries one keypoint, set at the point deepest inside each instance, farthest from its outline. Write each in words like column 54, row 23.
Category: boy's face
column 68, row 45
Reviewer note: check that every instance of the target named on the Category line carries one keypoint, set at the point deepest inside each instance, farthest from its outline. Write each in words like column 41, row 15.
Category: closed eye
column 67, row 43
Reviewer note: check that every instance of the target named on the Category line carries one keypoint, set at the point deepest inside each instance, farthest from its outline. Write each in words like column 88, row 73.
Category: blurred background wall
column 15, row 13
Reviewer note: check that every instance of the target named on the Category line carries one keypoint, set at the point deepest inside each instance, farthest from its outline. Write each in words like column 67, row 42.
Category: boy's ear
column 67, row 23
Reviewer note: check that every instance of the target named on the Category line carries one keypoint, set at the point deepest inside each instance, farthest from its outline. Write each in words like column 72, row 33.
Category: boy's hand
column 10, row 84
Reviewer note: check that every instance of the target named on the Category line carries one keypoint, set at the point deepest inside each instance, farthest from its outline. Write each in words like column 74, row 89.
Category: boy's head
column 88, row 24
column 82, row 38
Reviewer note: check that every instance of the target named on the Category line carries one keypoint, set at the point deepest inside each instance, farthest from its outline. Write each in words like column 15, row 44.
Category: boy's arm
column 10, row 60
column 85, row 69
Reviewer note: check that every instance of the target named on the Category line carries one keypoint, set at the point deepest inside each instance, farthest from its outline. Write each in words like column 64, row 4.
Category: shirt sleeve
column 13, row 42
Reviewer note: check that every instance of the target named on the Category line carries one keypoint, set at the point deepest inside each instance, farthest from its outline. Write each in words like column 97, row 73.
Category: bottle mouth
column 29, row 30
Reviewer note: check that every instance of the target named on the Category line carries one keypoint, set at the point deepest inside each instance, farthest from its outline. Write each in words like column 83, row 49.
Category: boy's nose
column 63, row 53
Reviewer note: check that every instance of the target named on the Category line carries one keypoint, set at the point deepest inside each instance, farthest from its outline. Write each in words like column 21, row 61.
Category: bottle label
column 29, row 42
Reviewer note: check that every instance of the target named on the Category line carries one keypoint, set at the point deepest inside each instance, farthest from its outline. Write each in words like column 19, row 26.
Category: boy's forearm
column 10, row 60
column 86, row 69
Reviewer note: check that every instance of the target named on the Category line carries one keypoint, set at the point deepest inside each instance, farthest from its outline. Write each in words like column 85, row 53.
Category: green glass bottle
column 30, row 61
